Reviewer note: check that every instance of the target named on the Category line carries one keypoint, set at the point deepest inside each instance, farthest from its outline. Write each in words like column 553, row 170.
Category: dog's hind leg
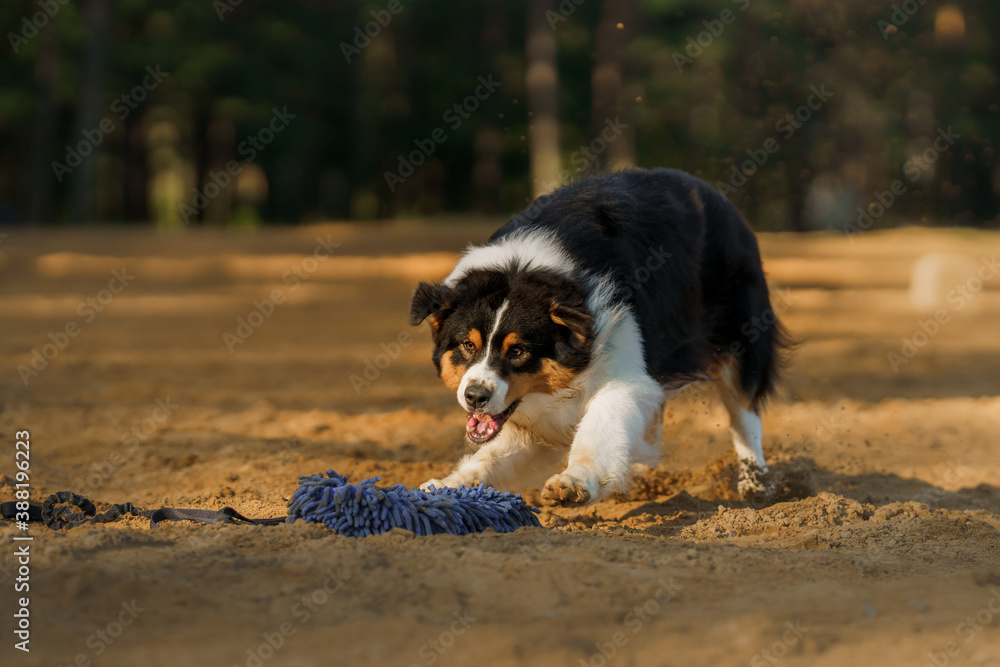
column 746, row 429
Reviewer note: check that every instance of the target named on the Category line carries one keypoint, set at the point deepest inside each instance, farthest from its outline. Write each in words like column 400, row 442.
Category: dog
column 565, row 334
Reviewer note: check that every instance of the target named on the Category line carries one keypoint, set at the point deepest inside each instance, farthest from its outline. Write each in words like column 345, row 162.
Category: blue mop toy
column 363, row 509
column 354, row 510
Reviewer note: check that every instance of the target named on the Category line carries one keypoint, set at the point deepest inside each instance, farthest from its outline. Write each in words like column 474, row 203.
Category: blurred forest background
column 808, row 114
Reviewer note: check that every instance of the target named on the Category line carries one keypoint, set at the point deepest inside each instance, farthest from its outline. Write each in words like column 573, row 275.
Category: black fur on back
column 685, row 261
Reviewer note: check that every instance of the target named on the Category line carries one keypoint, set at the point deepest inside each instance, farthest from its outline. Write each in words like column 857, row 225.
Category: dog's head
column 500, row 336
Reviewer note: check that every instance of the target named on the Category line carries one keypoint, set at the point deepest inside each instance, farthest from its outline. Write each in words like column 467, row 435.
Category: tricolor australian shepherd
column 567, row 331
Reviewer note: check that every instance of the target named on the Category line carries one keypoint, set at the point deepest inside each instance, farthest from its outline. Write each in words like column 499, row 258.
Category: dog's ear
column 574, row 317
column 432, row 302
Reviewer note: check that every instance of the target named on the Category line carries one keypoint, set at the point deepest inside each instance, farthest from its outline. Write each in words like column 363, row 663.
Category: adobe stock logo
column 432, row 650
column 223, row 7
column 88, row 309
column 217, row 181
column 454, row 116
column 582, row 160
column 900, row 15
column 263, row 309
column 30, row 27
column 566, row 9
column 959, row 296
column 713, row 29
column 635, row 620
column 913, row 169
column 363, row 37
column 787, row 125
column 374, row 367
column 123, row 105
column 789, row 638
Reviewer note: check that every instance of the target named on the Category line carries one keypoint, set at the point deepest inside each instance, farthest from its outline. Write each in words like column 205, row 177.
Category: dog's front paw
column 452, row 481
column 566, row 490
column 436, row 483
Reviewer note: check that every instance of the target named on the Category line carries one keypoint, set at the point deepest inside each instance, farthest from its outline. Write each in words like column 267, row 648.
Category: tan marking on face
column 509, row 339
column 698, row 203
column 476, row 338
column 552, row 377
column 450, row 373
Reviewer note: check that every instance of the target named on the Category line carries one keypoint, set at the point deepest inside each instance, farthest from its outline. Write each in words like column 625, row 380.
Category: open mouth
column 483, row 428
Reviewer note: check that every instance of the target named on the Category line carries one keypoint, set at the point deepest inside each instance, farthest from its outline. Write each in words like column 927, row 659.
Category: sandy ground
column 884, row 552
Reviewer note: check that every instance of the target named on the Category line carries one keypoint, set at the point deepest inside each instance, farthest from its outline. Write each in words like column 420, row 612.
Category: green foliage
column 357, row 121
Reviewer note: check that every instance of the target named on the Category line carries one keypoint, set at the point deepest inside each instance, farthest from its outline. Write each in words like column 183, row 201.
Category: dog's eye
column 515, row 351
column 469, row 345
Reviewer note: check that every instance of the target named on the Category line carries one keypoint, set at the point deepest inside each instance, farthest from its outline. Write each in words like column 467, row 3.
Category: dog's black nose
column 476, row 396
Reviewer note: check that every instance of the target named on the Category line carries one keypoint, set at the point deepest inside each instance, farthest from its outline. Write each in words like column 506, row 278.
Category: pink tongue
column 481, row 425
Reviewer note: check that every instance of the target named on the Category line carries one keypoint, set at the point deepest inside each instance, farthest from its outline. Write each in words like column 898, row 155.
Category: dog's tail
column 744, row 325
column 766, row 342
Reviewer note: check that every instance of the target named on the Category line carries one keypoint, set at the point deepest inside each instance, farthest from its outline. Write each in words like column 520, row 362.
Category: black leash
column 57, row 512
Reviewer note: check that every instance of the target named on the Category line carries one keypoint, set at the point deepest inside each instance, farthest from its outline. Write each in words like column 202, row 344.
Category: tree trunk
column 136, row 177
column 542, row 81
column 371, row 70
column 88, row 114
column 612, row 95
column 220, row 142
column 41, row 175
column 487, row 171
